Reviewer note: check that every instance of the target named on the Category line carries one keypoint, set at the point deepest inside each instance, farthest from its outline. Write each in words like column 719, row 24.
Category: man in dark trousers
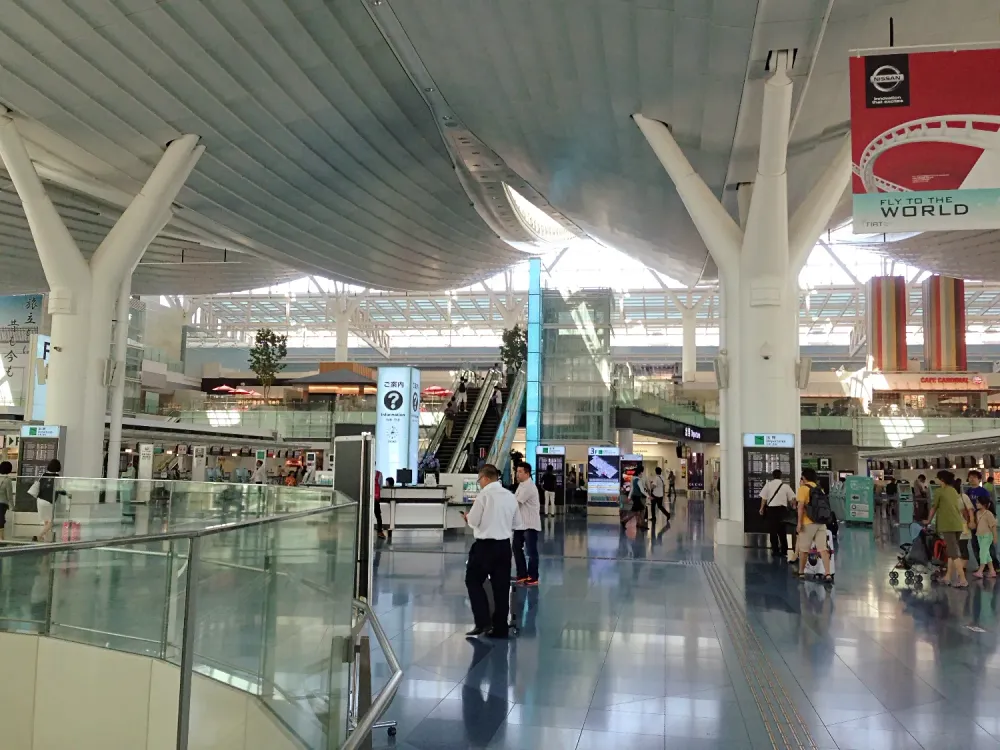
column 492, row 518
column 549, row 486
column 657, row 491
column 529, row 528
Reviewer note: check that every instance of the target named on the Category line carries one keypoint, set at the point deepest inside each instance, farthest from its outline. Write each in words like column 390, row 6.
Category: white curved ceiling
column 323, row 156
column 319, row 151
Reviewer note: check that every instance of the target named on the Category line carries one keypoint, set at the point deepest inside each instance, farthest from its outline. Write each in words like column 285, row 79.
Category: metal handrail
column 475, row 420
column 500, row 450
column 166, row 536
column 378, row 707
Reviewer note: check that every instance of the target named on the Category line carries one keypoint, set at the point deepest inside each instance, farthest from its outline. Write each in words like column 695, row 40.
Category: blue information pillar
column 533, row 376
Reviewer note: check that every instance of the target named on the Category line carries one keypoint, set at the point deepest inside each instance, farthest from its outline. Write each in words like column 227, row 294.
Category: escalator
column 469, row 427
column 449, row 445
column 489, row 426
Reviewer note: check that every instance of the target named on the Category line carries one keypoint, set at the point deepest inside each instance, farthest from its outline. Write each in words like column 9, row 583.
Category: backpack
column 636, row 493
column 818, row 508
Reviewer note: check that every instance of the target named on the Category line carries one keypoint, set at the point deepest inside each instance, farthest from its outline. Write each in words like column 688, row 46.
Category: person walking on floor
column 549, row 484
column 776, row 499
column 921, row 498
column 46, row 496
column 6, row 494
column 672, row 487
column 530, row 527
column 967, row 539
column 657, row 490
column 637, row 496
column 492, row 519
column 947, row 508
column 813, row 514
column 986, row 535
column 975, row 493
column 377, row 506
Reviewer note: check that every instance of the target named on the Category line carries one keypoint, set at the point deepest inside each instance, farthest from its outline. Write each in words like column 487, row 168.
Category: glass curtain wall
column 576, row 402
column 133, row 357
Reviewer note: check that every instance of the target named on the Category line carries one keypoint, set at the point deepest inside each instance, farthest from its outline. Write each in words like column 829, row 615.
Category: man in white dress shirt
column 528, row 529
column 492, row 518
column 776, row 498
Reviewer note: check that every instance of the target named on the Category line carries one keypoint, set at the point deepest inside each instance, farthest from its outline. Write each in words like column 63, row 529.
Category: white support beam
column 806, row 225
column 720, row 233
column 837, row 259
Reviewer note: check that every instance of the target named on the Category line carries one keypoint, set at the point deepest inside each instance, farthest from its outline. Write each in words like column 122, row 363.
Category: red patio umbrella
column 436, row 390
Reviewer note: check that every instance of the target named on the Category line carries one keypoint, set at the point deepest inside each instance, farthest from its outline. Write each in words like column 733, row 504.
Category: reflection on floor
column 663, row 641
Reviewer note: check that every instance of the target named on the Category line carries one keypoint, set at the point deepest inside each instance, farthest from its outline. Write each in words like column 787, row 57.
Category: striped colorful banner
column 886, row 319
column 944, row 324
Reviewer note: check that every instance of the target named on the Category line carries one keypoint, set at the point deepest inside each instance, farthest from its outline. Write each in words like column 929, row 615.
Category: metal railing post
column 269, row 620
column 165, row 628
column 365, row 537
column 188, row 642
column 49, row 599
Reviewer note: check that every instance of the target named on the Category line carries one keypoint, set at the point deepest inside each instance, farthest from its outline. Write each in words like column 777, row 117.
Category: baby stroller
column 926, row 555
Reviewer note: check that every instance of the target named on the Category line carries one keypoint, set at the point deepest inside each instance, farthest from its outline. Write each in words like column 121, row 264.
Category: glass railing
column 827, row 422
column 263, row 607
column 893, row 432
column 659, row 398
column 93, row 509
column 499, row 453
column 158, row 355
column 289, row 424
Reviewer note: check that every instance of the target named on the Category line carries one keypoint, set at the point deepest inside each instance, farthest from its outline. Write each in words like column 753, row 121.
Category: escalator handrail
column 475, row 420
column 500, row 449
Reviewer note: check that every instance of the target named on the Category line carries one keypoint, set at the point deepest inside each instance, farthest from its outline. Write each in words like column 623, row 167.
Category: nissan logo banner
column 887, row 81
column 925, row 139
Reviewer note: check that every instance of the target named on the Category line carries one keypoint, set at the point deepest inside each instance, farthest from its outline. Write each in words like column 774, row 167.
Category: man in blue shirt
column 976, row 492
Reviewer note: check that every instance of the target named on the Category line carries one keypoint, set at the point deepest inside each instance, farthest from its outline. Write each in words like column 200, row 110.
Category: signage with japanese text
column 20, row 316
column 604, row 471
column 397, row 425
column 757, row 440
column 551, row 450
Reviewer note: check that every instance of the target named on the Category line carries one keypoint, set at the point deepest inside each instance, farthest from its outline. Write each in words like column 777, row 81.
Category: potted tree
column 267, row 357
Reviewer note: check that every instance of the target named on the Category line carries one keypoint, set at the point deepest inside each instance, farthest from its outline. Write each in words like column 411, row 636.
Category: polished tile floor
column 662, row 641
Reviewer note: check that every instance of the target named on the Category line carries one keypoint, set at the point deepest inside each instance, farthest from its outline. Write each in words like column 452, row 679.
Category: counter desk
column 415, row 507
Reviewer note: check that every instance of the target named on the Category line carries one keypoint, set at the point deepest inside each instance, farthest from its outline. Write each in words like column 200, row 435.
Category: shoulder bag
column 788, row 515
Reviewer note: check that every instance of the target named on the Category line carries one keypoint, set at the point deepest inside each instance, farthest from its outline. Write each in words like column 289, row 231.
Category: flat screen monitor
column 404, row 476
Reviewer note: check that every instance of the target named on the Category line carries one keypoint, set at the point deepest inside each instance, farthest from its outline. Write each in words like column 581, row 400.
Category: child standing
column 986, row 531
